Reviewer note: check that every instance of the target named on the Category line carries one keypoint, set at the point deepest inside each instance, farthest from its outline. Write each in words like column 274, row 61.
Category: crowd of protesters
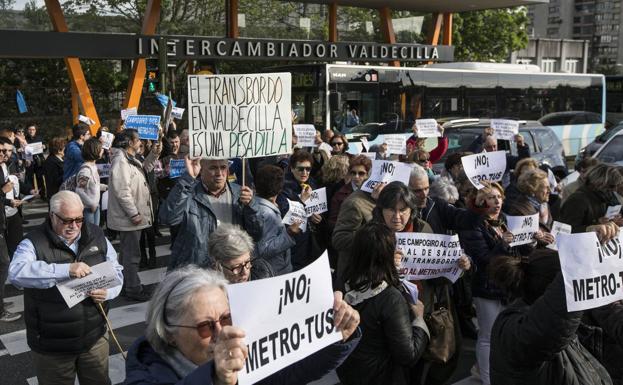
column 224, row 230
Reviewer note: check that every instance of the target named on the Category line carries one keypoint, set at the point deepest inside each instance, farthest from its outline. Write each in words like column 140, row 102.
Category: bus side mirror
column 334, row 101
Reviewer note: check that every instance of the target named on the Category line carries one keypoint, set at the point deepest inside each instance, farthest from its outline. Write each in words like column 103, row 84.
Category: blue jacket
column 275, row 243
column 189, row 207
column 73, row 159
column 145, row 367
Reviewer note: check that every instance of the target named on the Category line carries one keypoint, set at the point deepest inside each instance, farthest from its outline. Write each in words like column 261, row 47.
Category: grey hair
column 177, row 292
column 417, row 172
column 603, row 177
column 443, row 188
column 62, row 198
column 229, row 242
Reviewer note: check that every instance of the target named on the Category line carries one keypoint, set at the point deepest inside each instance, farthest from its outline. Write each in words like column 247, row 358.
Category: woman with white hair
column 190, row 339
column 444, row 189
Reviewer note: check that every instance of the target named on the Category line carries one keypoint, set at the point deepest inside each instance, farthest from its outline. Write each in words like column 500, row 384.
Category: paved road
column 127, row 318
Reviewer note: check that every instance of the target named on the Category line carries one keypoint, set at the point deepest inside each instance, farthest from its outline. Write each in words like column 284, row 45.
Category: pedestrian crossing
column 127, row 319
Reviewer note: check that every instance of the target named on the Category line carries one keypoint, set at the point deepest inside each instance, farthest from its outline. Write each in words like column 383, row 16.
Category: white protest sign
column 34, row 148
column 593, row 272
column 396, row 144
column 104, row 202
column 427, row 128
column 86, row 120
column 369, row 155
column 235, row 116
column 127, row 112
column 613, row 211
column 177, row 112
column 317, row 202
column 558, row 228
column 505, row 129
column 364, row 143
column 296, row 213
column 285, row 318
column 427, row 256
column 385, row 171
column 103, row 276
column 523, row 228
column 325, row 147
column 103, row 169
column 489, row 166
column 107, row 138
column 305, row 135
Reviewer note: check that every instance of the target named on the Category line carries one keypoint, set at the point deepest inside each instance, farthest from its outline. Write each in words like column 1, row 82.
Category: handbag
column 442, row 343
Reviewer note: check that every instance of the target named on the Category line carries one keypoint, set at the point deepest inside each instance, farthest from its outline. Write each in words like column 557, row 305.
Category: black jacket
column 443, row 217
column 584, row 207
column 52, row 327
column 538, row 345
column 390, row 346
column 605, row 329
column 53, row 174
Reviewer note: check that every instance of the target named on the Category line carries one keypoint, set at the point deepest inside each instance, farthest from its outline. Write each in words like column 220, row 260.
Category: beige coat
column 128, row 192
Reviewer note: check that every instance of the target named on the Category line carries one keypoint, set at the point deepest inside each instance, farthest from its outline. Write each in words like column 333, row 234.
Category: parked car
column 544, row 145
column 592, row 147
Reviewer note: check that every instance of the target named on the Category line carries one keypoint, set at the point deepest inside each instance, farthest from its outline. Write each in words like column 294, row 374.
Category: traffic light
column 152, row 79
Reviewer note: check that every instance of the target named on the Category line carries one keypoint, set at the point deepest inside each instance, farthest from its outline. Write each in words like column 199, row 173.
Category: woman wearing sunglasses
column 189, row 338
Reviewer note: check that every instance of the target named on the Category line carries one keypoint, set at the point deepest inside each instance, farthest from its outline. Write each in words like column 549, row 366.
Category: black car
column 544, row 145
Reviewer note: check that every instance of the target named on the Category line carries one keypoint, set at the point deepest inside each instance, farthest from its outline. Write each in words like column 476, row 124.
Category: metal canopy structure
column 441, row 6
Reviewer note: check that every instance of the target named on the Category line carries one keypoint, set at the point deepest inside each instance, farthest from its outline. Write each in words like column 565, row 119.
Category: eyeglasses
column 358, row 173
column 303, row 169
column 423, row 160
column 238, row 269
column 337, row 144
column 207, row 329
column 69, row 221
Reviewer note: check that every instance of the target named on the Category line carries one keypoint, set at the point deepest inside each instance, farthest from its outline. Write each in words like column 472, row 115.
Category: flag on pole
column 21, row 102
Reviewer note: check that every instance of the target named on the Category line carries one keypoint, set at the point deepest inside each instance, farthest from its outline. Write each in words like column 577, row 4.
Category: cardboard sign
column 523, row 228
column 128, row 112
column 296, row 213
column 489, row 166
column 236, row 116
column 593, row 272
column 103, row 276
column 34, row 148
column 305, row 135
column 613, row 211
column 107, row 139
column 505, row 129
column 317, row 202
column 427, row 256
column 385, row 171
column 146, row 125
column 396, row 144
column 558, row 228
column 427, row 128
column 177, row 112
column 103, row 169
column 285, row 318
column 176, row 168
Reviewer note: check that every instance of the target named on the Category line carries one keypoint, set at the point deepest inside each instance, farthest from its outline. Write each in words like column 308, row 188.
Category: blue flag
column 21, row 102
column 164, row 100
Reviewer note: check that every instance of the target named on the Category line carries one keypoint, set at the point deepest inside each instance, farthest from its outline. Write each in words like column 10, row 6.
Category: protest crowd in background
column 414, row 257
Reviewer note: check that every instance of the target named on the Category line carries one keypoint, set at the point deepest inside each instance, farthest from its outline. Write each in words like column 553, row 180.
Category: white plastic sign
column 103, row 276
column 427, row 128
column 505, row 129
column 593, row 272
column 177, row 112
column 558, row 228
column 34, row 148
column 396, row 144
column 523, row 228
column 317, row 202
column 489, row 166
column 427, row 256
column 385, row 171
column 305, row 135
column 285, row 318
column 107, row 139
column 236, row 116
column 296, row 213
column 128, row 112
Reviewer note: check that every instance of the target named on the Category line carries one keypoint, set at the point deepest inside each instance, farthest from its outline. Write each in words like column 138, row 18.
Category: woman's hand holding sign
column 230, row 352
column 605, row 232
column 346, row 319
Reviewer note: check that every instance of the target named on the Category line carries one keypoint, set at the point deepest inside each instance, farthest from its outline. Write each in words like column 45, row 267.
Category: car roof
column 482, row 123
column 617, row 134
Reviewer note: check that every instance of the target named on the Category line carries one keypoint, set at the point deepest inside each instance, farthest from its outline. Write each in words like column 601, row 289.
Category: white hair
column 417, row 172
column 62, row 198
column 443, row 188
column 229, row 242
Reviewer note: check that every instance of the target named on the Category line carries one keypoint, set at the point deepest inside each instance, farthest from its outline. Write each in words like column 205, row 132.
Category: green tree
column 489, row 35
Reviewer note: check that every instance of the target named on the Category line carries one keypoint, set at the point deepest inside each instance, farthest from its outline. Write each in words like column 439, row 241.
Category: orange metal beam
column 447, row 29
column 139, row 68
column 74, row 68
column 75, row 105
column 232, row 14
column 387, row 28
column 333, row 23
column 435, row 31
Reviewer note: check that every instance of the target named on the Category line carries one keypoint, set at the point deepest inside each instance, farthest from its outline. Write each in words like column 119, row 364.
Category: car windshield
column 603, row 138
column 612, row 151
column 459, row 140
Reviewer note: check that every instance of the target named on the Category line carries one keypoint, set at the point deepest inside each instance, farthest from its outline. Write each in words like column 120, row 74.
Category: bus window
column 364, row 97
